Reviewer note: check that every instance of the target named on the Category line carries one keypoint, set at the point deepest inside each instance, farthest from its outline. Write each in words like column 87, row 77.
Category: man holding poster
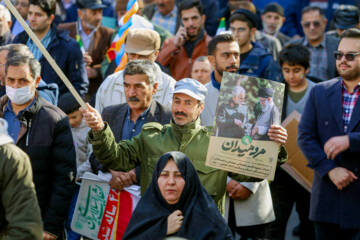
column 248, row 205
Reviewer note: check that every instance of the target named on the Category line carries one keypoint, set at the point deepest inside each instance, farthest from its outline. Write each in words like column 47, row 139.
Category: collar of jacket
column 255, row 56
column 187, row 131
column 27, row 115
column 55, row 34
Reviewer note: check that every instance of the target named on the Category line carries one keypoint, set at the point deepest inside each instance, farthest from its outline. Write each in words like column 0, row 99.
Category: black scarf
column 202, row 219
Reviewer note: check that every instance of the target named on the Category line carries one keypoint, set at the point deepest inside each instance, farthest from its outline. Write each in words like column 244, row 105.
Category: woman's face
column 171, row 183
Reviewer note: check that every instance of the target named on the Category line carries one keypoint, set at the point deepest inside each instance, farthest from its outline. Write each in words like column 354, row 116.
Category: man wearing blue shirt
column 127, row 119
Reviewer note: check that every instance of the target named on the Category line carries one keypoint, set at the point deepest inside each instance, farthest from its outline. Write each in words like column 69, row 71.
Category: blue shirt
column 130, row 129
column 85, row 39
column 34, row 49
column 168, row 21
column 214, row 82
column 13, row 120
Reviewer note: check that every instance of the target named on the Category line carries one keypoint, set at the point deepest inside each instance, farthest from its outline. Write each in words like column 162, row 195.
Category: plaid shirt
column 34, row 49
column 168, row 21
column 318, row 62
column 348, row 103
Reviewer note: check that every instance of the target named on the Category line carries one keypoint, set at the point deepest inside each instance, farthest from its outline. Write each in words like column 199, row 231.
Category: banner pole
column 46, row 54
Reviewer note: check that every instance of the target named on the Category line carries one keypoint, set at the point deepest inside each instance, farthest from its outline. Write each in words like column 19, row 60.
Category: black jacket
column 45, row 135
column 66, row 53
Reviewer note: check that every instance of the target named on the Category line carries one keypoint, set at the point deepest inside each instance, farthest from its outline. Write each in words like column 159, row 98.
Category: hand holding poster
column 246, row 108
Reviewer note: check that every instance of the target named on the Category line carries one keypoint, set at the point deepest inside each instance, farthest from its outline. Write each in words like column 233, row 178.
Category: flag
column 222, row 26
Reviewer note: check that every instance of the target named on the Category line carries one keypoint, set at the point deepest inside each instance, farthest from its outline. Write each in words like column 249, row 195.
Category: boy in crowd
column 285, row 191
column 69, row 105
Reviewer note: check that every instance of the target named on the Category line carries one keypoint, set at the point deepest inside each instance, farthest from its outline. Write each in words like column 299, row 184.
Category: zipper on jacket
column 28, row 132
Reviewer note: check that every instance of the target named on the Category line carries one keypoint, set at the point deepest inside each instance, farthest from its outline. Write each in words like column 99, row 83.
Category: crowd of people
column 149, row 124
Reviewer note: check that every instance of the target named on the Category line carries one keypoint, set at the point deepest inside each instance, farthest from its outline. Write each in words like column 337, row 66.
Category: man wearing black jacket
column 43, row 132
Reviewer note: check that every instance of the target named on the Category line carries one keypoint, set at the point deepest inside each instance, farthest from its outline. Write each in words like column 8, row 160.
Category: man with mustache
column 190, row 42
column 127, row 119
column 95, row 39
column 329, row 137
column 272, row 20
column 139, row 44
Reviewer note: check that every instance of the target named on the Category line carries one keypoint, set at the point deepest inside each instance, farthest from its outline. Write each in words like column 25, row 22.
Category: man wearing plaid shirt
column 329, row 137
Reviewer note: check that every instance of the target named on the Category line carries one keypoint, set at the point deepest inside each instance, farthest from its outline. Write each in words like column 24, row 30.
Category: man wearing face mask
column 41, row 130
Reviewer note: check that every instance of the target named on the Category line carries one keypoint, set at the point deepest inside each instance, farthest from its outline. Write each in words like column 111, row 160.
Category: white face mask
column 19, row 95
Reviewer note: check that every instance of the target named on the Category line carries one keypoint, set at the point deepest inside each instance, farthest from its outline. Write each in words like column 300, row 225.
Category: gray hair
column 237, row 90
column 34, row 64
column 202, row 59
column 16, row 49
column 141, row 66
column 7, row 15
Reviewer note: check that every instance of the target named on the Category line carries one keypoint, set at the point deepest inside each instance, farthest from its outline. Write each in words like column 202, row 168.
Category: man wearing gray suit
column 321, row 46
column 127, row 119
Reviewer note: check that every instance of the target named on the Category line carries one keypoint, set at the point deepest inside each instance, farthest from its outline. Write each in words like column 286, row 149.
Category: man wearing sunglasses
column 321, row 46
column 329, row 137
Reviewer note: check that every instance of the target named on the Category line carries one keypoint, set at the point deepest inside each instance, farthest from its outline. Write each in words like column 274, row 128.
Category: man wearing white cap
column 184, row 133
column 139, row 44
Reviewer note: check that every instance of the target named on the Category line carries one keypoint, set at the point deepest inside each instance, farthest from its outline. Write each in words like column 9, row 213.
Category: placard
column 246, row 108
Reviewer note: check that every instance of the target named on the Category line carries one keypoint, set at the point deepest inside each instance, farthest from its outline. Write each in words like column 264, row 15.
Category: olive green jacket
column 20, row 216
column 154, row 140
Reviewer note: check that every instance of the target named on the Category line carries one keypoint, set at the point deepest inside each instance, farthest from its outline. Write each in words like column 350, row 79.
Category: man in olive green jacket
column 184, row 134
column 19, row 210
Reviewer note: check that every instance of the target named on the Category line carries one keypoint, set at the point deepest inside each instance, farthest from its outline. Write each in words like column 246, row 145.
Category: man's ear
column 253, row 30
column 37, row 81
column 80, row 13
column 156, row 54
column 284, row 18
column 201, row 107
column 203, row 18
column 51, row 18
column 211, row 59
column 155, row 88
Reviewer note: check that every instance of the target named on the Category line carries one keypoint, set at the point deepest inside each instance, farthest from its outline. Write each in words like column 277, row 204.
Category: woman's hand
column 174, row 222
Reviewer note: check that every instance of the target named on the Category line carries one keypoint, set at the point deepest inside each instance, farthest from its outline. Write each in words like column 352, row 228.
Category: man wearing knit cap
column 140, row 43
column 255, row 60
column 269, row 115
column 346, row 16
column 272, row 20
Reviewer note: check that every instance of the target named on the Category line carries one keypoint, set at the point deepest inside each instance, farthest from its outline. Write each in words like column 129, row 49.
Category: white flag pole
column 46, row 54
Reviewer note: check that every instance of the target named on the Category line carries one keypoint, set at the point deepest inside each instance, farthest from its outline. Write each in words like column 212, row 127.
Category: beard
column 266, row 106
column 349, row 74
column 221, row 70
column 271, row 28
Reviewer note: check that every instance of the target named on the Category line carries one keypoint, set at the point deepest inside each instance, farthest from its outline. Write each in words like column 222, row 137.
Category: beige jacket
column 111, row 91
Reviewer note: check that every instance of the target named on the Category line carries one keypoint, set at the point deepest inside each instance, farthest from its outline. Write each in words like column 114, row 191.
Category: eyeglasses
column 237, row 30
column 348, row 56
column 316, row 24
